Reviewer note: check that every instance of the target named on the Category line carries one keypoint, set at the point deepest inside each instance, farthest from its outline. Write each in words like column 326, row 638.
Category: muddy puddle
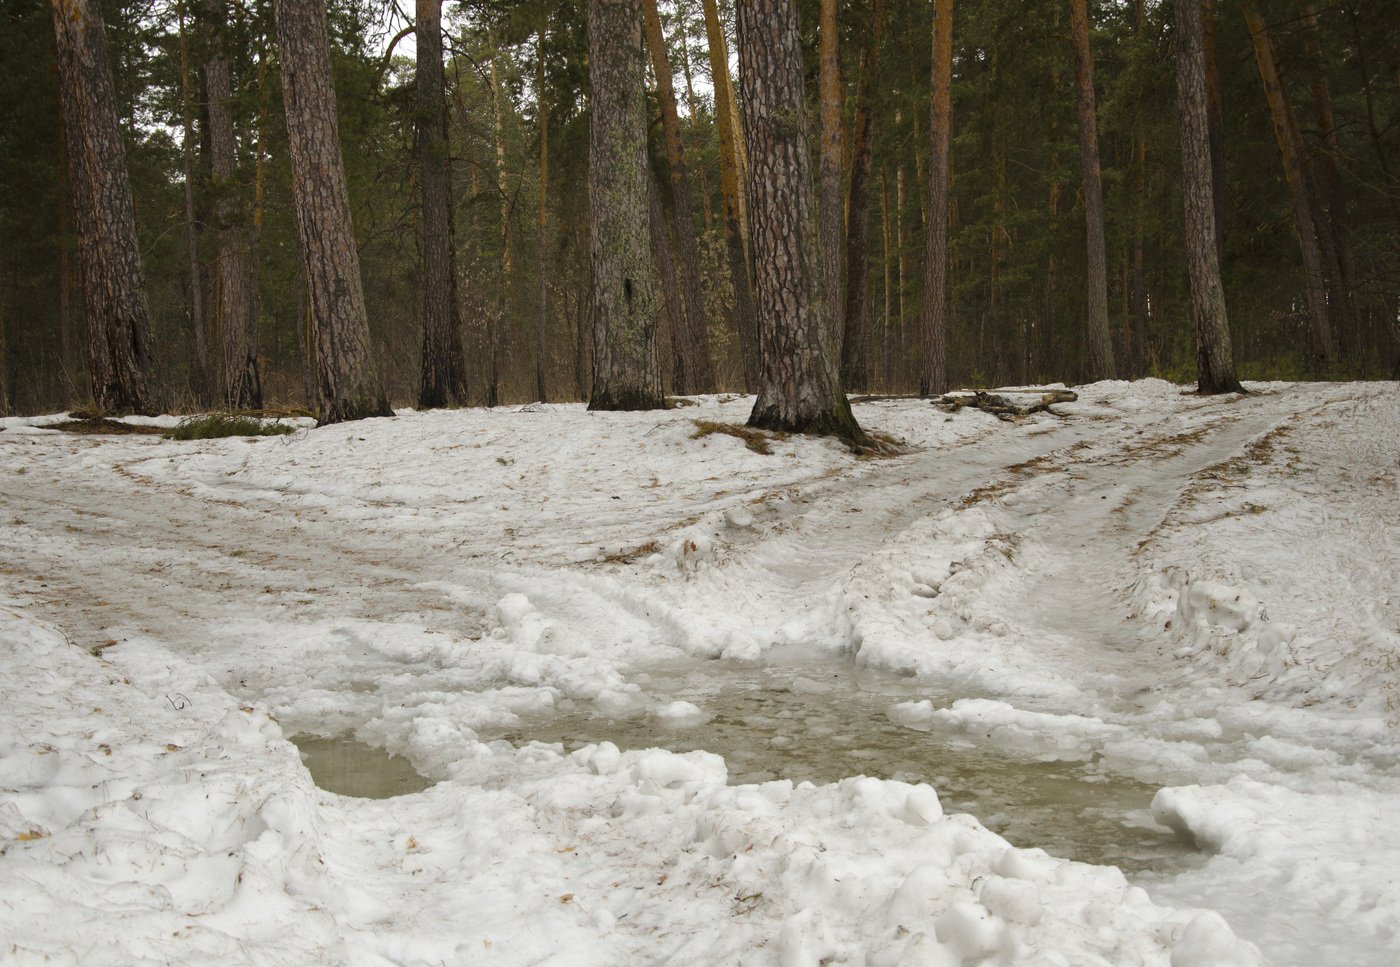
column 822, row 720
column 344, row 766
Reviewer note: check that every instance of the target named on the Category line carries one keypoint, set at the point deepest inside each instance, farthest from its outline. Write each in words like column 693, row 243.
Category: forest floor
column 678, row 700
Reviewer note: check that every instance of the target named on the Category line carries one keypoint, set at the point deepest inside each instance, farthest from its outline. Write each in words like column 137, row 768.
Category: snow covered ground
column 1196, row 594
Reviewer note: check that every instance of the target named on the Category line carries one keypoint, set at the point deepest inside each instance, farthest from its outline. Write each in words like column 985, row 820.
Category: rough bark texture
column 1100, row 343
column 114, row 298
column 799, row 389
column 731, row 188
column 855, row 341
column 1215, row 366
column 829, row 97
column 444, row 369
column 235, row 300
column 1290, row 145
column 626, row 369
column 690, row 330
column 933, row 371
column 347, row 388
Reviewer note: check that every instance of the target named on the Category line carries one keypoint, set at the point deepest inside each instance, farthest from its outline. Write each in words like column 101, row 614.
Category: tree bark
column 1100, row 342
column 626, row 368
column 499, row 320
column 1300, row 190
column 690, row 329
column 1215, row 366
column 1331, row 198
column 731, row 192
column 1215, row 118
column 236, row 265
column 933, row 372
column 800, row 388
column 200, row 379
column 829, row 178
column 443, row 368
column 855, row 343
column 347, row 388
column 114, row 298
column 542, row 226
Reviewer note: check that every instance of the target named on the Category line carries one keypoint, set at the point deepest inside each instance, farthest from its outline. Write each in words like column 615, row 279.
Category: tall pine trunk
column 626, row 368
column 347, row 387
column 690, row 328
column 1300, row 193
column 235, row 301
column 855, row 341
column 933, row 371
column 829, row 179
column 800, row 389
column 200, row 379
column 114, row 297
column 731, row 189
column 1215, row 366
column 1331, row 195
column 443, row 369
column 1100, row 342
column 542, row 223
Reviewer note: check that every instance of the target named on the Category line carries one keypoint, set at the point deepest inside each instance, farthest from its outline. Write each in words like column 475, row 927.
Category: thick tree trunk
column 1100, row 342
column 690, row 330
column 800, row 389
column 114, row 298
column 236, row 264
column 347, row 387
column 829, row 178
column 855, row 342
column 444, row 368
column 1300, row 191
column 933, row 372
column 626, row 369
column 1215, row 366
column 731, row 191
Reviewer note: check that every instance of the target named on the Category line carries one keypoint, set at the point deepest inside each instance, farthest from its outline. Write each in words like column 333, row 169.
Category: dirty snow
column 1195, row 593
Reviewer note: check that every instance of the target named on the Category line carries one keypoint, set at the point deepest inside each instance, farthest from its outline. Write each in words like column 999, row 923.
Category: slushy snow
column 1195, row 593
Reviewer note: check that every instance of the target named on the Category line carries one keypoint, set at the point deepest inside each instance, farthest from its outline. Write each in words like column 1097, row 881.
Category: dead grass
column 759, row 441
column 630, row 554
column 92, row 425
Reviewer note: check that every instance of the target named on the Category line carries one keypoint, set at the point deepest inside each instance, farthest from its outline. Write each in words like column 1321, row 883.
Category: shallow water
column 824, row 719
column 344, row 766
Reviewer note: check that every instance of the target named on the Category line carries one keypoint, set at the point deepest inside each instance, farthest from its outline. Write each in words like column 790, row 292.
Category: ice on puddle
column 913, row 715
column 681, row 715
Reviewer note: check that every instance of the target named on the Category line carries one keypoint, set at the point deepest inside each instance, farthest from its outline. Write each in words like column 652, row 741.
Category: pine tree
column 1215, row 366
column 799, row 387
column 626, row 368
column 114, row 298
column 346, row 384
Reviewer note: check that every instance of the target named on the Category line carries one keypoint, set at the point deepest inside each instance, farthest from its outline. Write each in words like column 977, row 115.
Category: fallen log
column 1001, row 407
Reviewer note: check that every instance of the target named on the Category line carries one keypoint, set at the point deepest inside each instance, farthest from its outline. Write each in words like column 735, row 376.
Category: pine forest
column 502, row 201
